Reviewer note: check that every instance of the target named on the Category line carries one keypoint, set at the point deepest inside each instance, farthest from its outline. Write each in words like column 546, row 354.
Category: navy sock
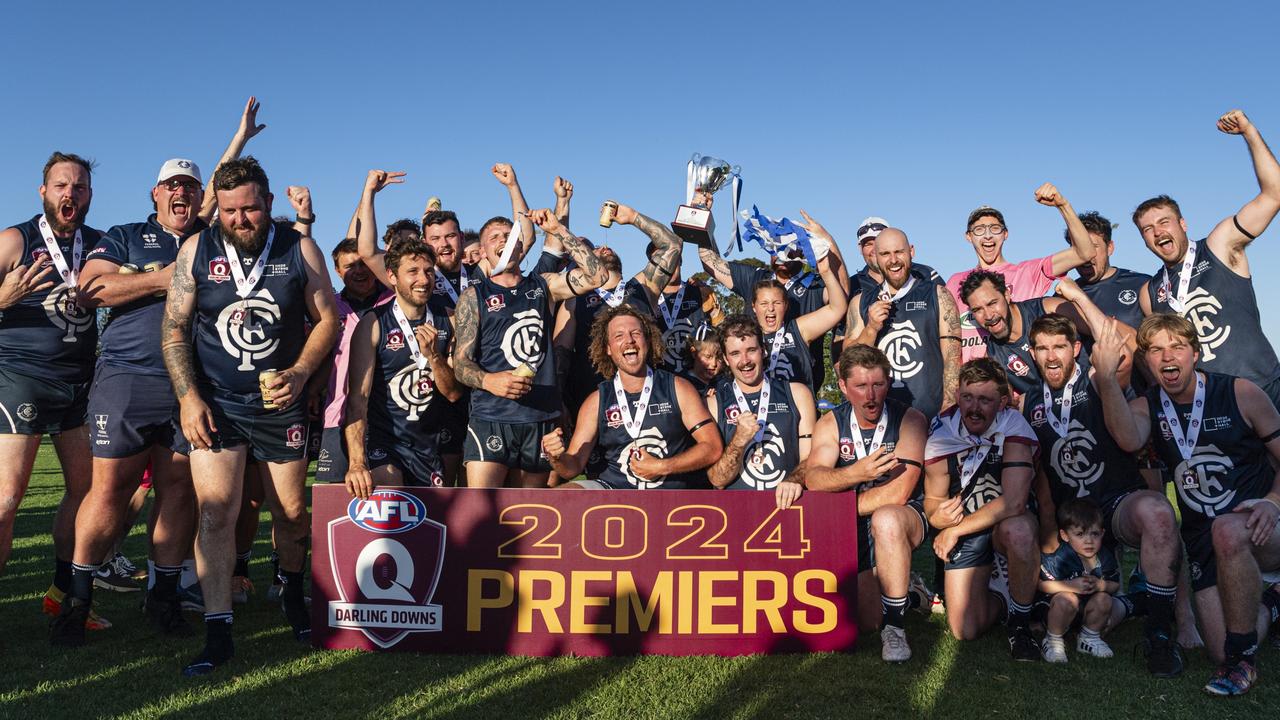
column 1019, row 614
column 242, row 564
column 217, row 628
column 166, row 586
column 81, row 586
column 1241, row 646
column 62, row 575
column 1271, row 601
column 292, row 586
column 893, row 610
column 1160, row 608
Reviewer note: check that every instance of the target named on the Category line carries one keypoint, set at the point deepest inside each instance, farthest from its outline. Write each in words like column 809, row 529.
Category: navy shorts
column 272, row 435
column 331, row 461
column 453, row 431
column 130, row 412
column 516, row 445
column 419, row 462
column 866, row 543
column 972, row 551
column 32, row 405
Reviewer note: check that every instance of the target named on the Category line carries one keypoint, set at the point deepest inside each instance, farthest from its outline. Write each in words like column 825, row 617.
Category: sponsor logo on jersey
column 101, row 422
column 1075, row 460
column 613, row 416
column 901, row 344
column 847, row 451
column 767, row 473
column 1018, row 366
column 66, row 314
column 1202, row 310
column 377, row 454
column 494, row 443
column 593, row 300
column 1128, row 296
column 495, row 303
column 1208, row 496
column 219, row 270
column 651, row 441
column 982, row 490
column 731, row 413
column 411, row 390
column 149, row 241
column 295, row 436
column 535, row 293
column 27, row 412
column 395, row 340
column 384, row 590
column 40, row 256
column 275, row 269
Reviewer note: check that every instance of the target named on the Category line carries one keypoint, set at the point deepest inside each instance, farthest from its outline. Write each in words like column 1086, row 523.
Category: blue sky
column 916, row 112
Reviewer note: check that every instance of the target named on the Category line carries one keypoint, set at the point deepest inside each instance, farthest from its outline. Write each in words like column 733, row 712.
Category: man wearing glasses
column 987, row 232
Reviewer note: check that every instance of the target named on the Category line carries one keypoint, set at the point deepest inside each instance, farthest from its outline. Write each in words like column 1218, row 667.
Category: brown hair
column 740, row 325
column 242, row 171
column 598, row 351
column 1159, row 201
column 769, row 284
column 863, row 356
column 1053, row 324
column 984, row 369
column 1173, row 324
column 1078, row 513
column 975, row 280
column 411, row 248
column 985, row 211
column 60, row 157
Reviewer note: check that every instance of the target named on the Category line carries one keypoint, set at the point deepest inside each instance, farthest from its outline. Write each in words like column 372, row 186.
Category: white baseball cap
column 870, row 228
column 178, row 167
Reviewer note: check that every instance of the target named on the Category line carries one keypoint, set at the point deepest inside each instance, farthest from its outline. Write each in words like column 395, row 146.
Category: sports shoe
column 116, row 576
column 1232, row 679
column 192, row 598
column 893, row 645
column 241, row 589
column 1022, row 644
column 126, row 565
column 209, row 659
column 1164, row 656
column 938, row 606
column 921, row 592
column 1093, row 645
column 1054, row 649
column 67, row 630
column 166, row 616
column 52, row 606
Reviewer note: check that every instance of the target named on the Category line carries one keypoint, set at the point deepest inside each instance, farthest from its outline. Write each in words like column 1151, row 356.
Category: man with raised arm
column 502, row 352
column 766, row 423
column 47, row 345
column 803, row 292
column 241, row 295
column 1221, row 437
column 914, row 322
column 986, row 232
column 1082, row 460
column 401, row 375
column 650, row 427
column 131, row 399
column 1005, row 324
column 978, row 472
column 874, row 445
column 1209, row 282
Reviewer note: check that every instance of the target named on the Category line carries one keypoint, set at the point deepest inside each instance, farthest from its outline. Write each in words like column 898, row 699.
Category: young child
column 1081, row 577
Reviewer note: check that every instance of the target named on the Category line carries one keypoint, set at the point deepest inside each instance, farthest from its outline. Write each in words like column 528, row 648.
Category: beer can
column 265, row 377
column 153, row 266
column 524, row 371
column 128, row 269
column 608, row 212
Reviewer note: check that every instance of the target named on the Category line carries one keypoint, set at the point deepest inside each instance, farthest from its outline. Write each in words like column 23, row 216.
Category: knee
column 1099, row 601
column 887, row 527
column 1230, row 535
column 1065, row 602
column 1158, row 522
column 1018, row 536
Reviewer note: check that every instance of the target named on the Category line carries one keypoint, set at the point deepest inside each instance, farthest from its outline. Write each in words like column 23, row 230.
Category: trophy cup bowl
column 694, row 222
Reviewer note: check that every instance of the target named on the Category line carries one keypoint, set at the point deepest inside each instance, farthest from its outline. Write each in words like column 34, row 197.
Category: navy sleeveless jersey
column 987, row 482
column 583, row 378
column 1117, row 296
column 804, row 296
column 662, row 434
column 911, row 339
column 1014, row 354
column 1230, row 462
column 779, row 448
column 234, row 339
column 794, row 360
column 515, row 328
column 687, row 317
column 1224, row 310
column 131, row 337
column 440, row 296
column 46, row 333
column 850, row 433
column 1087, row 463
column 402, row 398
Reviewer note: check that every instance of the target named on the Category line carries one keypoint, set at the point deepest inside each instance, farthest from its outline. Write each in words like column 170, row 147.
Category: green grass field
column 128, row 672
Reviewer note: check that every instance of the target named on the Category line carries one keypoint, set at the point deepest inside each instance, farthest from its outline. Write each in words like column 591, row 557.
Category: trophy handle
column 736, row 170
column 696, row 157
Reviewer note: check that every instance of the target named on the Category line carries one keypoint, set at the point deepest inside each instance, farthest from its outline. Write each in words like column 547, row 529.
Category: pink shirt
column 337, row 392
column 1026, row 280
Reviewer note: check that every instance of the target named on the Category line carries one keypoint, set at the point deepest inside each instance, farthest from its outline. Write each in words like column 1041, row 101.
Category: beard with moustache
column 247, row 246
column 55, row 218
column 611, row 262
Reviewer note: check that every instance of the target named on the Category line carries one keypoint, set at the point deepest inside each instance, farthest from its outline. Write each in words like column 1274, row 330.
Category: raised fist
column 505, row 173
column 1047, row 194
column 1234, row 122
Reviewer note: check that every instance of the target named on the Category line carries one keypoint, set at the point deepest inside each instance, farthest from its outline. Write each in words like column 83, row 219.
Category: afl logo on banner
column 385, row 590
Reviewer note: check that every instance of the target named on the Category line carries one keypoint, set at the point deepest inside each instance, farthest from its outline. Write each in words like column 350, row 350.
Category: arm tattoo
column 466, row 316
column 175, row 329
column 716, row 264
column 666, row 254
column 590, row 272
column 951, row 349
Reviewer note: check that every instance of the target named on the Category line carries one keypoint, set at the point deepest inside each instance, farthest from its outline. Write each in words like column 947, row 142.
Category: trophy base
column 694, row 225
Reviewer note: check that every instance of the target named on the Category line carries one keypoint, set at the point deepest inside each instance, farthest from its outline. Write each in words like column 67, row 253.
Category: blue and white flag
column 777, row 236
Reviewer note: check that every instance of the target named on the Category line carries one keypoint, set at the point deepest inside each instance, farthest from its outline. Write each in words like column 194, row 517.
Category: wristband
column 307, row 221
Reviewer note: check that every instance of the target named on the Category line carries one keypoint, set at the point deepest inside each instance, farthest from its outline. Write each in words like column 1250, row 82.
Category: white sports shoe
column 893, row 645
column 1093, row 645
column 1054, row 649
column 922, row 593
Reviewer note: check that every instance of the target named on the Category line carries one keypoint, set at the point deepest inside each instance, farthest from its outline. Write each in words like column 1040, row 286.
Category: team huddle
column 1016, row 424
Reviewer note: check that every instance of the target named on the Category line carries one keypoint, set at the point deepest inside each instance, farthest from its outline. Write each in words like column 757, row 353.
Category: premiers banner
column 550, row 572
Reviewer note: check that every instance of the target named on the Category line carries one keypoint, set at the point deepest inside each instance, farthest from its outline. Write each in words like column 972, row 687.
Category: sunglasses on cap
column 871, row 228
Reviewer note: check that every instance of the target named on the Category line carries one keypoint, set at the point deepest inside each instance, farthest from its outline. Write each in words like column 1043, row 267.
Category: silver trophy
column 694, row 222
